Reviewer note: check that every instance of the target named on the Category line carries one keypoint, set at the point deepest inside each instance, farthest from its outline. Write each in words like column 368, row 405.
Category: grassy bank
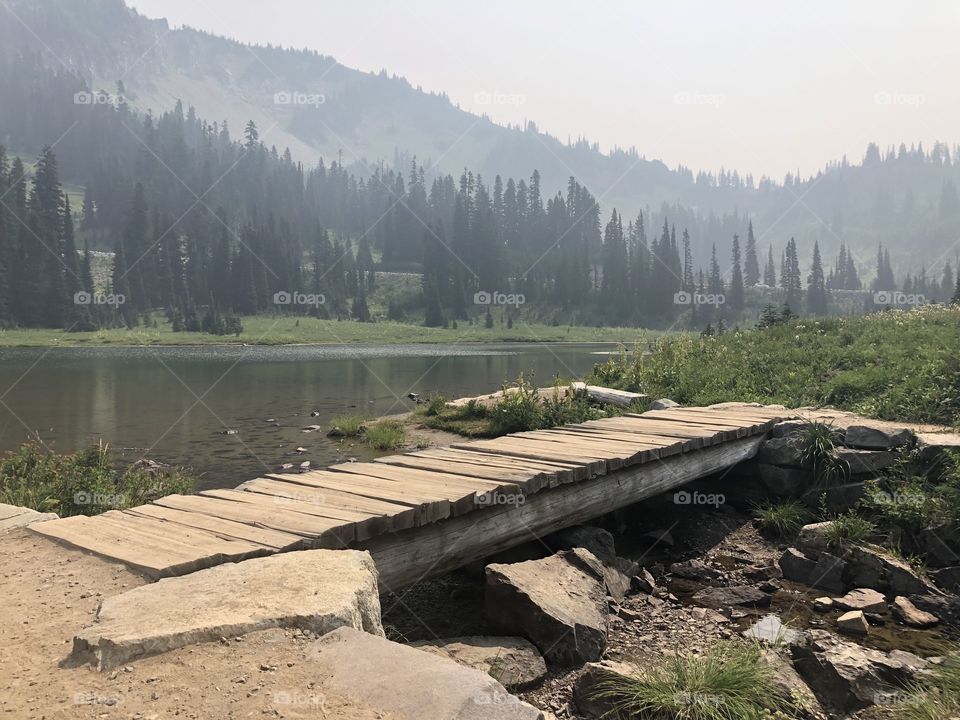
column 897, row 365
column 285, row 330
column 83, row 483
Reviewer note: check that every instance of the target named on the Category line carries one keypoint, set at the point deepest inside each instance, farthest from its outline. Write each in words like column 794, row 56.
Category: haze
column 760, row 87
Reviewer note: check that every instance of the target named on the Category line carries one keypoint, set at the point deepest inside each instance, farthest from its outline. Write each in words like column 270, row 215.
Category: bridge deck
column 385, row 503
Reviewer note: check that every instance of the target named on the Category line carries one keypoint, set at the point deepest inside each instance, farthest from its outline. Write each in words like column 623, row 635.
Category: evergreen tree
column 816, row 287
column 751, row 268
column 769, row 271
column 791, row 279
column 736, row 299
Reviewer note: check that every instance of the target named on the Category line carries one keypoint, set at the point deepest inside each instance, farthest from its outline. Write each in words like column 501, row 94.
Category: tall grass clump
column 386, row 435
column 83, row 483
column 730, row 681
column 816, row 441
column 782, row 520
column 350, row 425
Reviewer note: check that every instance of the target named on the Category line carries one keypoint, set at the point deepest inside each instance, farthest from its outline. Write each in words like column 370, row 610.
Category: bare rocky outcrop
column 722, row 597
column 559, row 603
column 409, row 684
column 315, row 590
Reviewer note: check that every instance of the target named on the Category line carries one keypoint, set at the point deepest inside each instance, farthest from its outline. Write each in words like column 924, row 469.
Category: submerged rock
column 870, row 601
column 909, row 614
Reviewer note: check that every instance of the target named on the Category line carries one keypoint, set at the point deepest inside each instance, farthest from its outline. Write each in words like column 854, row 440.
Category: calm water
column 174, row 404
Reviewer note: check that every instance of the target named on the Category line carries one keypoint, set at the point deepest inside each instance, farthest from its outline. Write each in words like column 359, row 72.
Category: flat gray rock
column 742, row 595
column 512, row 661
column 407, row 683
column 866, row 437
column 14, row 516
column 315, row 590
column 558, row 603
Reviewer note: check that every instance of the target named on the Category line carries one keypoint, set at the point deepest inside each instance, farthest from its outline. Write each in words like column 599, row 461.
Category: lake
column 174, row 404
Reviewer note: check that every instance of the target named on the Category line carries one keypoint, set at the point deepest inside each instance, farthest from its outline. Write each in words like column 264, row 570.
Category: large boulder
column 597, row 540
column 828, row 573
column 783, row 451
column 315, row 590
column 865, row 461
column 846, row 676
column 408, row 684
column 790, row 687
column 512, row 661
column 878, row 438
column 558, row 603
column 796, row 566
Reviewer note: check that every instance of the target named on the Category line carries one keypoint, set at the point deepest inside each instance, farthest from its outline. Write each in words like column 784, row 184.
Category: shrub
column 518, row 410
column 783, row 520
column 729, row 681
column 386, row 435
column 83, row 483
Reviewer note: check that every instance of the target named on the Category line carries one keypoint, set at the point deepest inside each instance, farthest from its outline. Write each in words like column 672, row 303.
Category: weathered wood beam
column 407, row 557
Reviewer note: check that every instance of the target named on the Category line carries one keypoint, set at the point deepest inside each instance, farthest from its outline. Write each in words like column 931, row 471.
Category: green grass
column 84, row 483
column 292, row 330
column 782, row 520
column 729, row 681
column 350, row 425
column 900, row 365
column 849, row 528
column 816, row 451
column 521, row 408
column 936, row 697
column 386, row 435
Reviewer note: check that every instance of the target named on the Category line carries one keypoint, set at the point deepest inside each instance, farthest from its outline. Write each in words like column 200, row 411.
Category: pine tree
column 751, row 268
column 791, row 280
column 770, row 272
column 736, row 300
column 816, row 287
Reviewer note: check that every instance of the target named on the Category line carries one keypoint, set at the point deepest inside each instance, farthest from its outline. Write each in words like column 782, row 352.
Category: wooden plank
column 558, row 472
column 85, row 533
column 757, row 424
column 365, row 524
column 190, row 540
column 323, row 532
column 222, row 527
column 430, row 508
column 410, row 556
column 510, row 446
column 617, row 453
column 609, row 396
column 398, row 517
column 464, row 494
column 707, row 435
column 665, row 446
column 724, row 431
column 531, row 480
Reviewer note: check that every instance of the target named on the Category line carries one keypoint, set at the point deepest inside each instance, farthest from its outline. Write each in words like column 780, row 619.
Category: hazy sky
column 763, row 87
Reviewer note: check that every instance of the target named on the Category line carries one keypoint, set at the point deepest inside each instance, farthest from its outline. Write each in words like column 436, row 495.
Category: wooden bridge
column 428, row 512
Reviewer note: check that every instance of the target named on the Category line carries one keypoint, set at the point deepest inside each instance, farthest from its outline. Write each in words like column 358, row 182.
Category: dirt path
column 50, row 592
